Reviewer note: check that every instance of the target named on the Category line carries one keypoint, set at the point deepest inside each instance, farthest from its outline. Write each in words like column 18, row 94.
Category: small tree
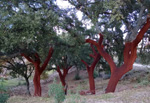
column 38, row 69
column 18, row 67
column 62, row 76
column 90, row 69
column 56, row 90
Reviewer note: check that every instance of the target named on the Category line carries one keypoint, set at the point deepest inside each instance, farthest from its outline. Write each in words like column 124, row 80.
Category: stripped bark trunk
column 37, row 84
column 38, row 70
column 62, row 76
column 129, row 55
column 91, row 82
column 90, row 69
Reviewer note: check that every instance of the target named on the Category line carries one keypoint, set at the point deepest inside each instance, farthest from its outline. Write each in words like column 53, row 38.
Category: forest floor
column 134, row 87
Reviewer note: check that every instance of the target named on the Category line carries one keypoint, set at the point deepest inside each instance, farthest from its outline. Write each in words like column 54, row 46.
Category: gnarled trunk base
column 91, row 82
column 37, row 85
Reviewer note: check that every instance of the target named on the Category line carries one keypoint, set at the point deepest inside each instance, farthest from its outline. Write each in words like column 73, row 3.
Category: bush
column 144, row 80
column 44, row 75
column 57, row 91
column 77, row 77
column 3, row 93
column 95, row 74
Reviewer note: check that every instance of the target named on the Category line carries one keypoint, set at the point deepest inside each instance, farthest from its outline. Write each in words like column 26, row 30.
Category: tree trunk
column 91, row 82
column 96, row 56
column 62, row 76
column 62, row 79
column 37, row 85
column 112, row 82
column 38, row 70
column 129, row 54
column 117, row 74
column 28, row 86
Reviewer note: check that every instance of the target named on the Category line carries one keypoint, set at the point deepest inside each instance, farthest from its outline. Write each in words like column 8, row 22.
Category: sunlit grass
column 12, row 82
column 20, row 99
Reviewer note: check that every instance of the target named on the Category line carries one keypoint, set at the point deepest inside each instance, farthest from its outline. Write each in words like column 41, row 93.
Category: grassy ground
column 127, row 96
column 133, row 88
column 12, row 82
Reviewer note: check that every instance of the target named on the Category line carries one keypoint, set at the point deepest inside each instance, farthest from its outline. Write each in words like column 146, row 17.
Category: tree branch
column 87, row 66
column 93, row 49
column 5, row 67
column 30, row 72
column 37, row 57
column 59, row 72
column 101, row 39
column 141, row 33
column 47, row 60
column 134, row 31
column 27, row 57
column 8, row 56
column 91, row 55
column 103, row 53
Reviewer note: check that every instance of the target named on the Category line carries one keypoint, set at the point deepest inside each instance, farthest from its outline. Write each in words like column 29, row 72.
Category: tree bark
column 90, row 69
column 38, row 70
column 114, row 79
column 129, row 54
column 28, row 86
column 37, row 84
column 62, row 77
column 91, row 82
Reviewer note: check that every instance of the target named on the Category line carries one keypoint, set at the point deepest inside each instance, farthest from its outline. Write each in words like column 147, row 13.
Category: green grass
column 12, row 82
column 71, row 98
column 50, row 72
column 20, row 99
column 104, row 96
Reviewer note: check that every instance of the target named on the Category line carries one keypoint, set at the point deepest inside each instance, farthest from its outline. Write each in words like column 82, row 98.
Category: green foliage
column 144, row 57
column 114, row 6
column 95, row 74
column 27, row 27
column 56, row 90
column 13, row 82
column 18, row 67
column 77, row 76
column 3, row 93
column 144, row 80
column 44, row 75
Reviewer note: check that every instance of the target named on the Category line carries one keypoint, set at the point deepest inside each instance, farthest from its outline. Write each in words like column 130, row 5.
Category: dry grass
column 133, row 88
column 20, row 99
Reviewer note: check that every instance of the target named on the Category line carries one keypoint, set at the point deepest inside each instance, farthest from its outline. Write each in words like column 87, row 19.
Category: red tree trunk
column 91, row 82
column 129, row 58
column 129, row 54
column 90, row 69
column 37, row 85
column 38, row 70
column 62, row 77
column 115, row 77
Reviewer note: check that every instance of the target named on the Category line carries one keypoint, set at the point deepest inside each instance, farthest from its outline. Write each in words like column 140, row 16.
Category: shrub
column 77, row 77
column 3, row 93
column 95, row 74
column 56, row 90
column 44, row 75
